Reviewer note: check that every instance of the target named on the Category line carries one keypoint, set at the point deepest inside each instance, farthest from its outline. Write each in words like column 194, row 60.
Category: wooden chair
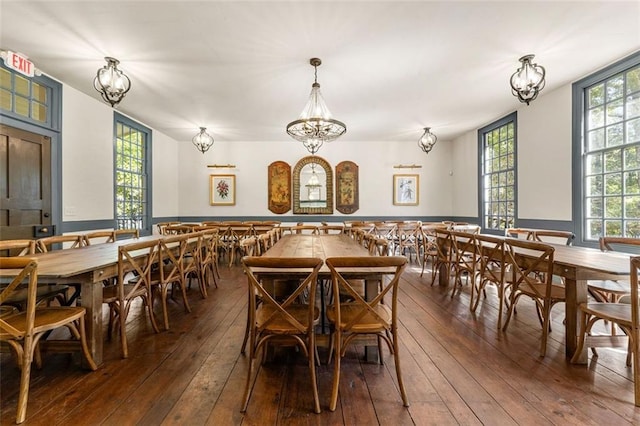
column 264, row 243
column 524, row 234
column 531, row 276
column 364, row 317
column 123, row 234
column 624, row 315
column 444, row 258
column 44, row 292
column 99, row 237
column 407, row 239
column 209, row 257
column 613, row 290
column 69, row 241
column 429, row 248
column 464, row 258
column 493, row 267
column 274, row 320
column 234, row 237
column 170, row 273
column 304, row 229
column 135, row 263
column 552, row 236
column 23, row 330
column 192, row 263
column 9, row 248
column 163, row 225
column 331, row 229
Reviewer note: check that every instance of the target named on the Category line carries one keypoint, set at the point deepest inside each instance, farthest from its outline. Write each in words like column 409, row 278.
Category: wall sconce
column 528, row 80
column 111, row 82
column 202, row 140
column 427, row 141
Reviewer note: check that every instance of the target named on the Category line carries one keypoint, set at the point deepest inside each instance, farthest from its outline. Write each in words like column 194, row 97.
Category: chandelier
column 427, row 141
column 315, row 125
column 111, row 82
column 202, row 140
column 528, row 80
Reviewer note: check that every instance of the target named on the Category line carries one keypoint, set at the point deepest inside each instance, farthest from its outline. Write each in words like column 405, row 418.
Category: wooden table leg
column 91, row 300
column 576, row 293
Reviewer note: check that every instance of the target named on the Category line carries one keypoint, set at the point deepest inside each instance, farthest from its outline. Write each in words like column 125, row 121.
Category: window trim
column 119, row 118
column 577, row 128
column 510, row 118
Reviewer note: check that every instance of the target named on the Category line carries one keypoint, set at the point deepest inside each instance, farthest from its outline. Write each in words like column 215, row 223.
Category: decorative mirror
column 312, row 186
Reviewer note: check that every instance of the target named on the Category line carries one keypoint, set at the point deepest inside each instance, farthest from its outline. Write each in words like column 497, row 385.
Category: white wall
column 544, row 161
column 375, row 161
column 87, row 162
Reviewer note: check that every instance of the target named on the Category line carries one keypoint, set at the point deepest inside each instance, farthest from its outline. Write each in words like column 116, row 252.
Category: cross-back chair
column 123, row 234
column 443, row 260
column 99, row 237
column 407, row 240
column 625, row 315
column 613, row 290
column 170, row 273
column 464, row 258
column 274, row 319
column 493, row 266
column 531, row 276
column 22, row 330
column 552, row 236
column 71, row 241
column 9, row 248
column 364, row 315
column 135, row 263
column 209, row 256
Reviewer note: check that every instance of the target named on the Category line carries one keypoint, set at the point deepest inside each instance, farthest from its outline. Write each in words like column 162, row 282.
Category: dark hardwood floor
column 458, row 369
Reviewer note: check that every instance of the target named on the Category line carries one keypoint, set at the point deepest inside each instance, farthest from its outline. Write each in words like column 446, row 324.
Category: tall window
column 497, row 145
column 132, row 174
column 609, row 105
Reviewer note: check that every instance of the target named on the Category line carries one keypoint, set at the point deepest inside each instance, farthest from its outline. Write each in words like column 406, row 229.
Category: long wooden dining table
column 88, row 266
column 324, row 246
column 576, row 265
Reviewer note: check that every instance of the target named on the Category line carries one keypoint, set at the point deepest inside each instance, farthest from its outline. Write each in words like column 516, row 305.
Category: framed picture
column 347, row 187
column 279, row 183
column 406, row 190
column 222, row 190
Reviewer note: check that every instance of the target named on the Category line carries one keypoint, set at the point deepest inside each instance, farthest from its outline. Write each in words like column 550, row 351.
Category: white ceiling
column 389, row 68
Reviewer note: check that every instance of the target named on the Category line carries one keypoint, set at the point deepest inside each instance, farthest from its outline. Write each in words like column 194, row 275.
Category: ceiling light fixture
column 111, row 82
column 428, row 140
column 315, row 125
column 528, row 80
column 202, row 140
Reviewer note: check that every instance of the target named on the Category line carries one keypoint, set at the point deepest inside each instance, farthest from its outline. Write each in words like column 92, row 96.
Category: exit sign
column 19, row 63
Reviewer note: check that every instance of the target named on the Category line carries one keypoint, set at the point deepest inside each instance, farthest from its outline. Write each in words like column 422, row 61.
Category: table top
column 77, row 261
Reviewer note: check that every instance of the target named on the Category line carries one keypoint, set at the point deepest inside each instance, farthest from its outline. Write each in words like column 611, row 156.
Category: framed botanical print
column 279, row 187
column 222, row 190
column 347, row 187
column 406, row 190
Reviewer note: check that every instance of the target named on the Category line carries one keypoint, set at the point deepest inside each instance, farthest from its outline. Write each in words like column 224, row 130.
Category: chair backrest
column 379, row 247
column 163, row 225
column 331, row 229
column 304, row 269
column 622, row 244
column 470, row 229
column 524, row 234
column 531, row 263
column 98, row 237
column 28, row 272
column 553, row 236
column 122, row 234
column 177, row 229
column 46, row 244
column 304, row 229
column 492, row 257
column 635, row 308
column 444, row 246
column 10, row 248
column 139, row 258
column 264, row 243
column 343, row 268
column 385, row 229
column 249, row 247
column 464, row 248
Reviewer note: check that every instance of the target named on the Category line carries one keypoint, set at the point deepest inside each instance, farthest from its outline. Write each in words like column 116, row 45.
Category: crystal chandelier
column 111, row 82
column 427, row 141
column 315, row 125
column 202, row 140
column 528, row 80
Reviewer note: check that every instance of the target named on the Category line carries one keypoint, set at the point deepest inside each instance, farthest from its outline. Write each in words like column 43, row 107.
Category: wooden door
column 25, row 182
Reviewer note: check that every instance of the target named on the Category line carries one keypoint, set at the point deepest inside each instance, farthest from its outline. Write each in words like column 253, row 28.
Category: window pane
column 613, row 228
column 633, row 80
column 632, row 157
column 595, row 96
column 22, row 106
column 6, row 99
column 614, row 88
column 594, row 163
column 21, row 86
column 632, row 207
column 613, row 184
column 38, row 93
column 613, row 207
column 633, row 130
column 596, row 139
column 594, row 207
column 594, row 229
column 594, row 185
column 613, row 160
column 632, row 228
column 5, row 79
column 615, row 112
column 38, row 112
column 596, row 117
column 633, row 106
